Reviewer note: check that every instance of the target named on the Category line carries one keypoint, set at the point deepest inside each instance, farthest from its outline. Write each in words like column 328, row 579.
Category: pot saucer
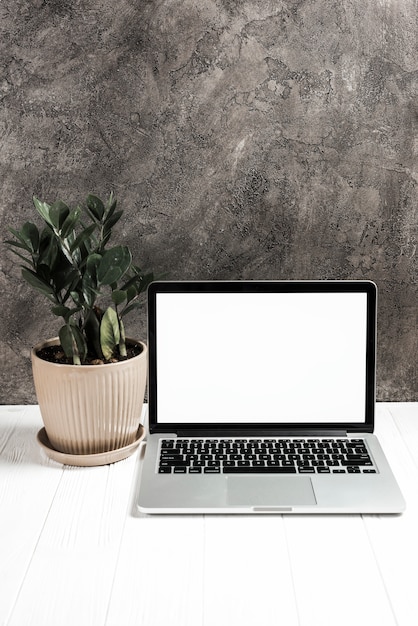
column 88, row 460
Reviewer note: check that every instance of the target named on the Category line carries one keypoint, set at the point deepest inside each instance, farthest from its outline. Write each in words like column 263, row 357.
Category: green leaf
column 76, row 298
column 30, row 234
column 58, row 213
column 48, row 248
column 70, row 221
column 92, row 332
column 43, row 210
column 16, row 244
column 119, row 296
column 111, row 221
column 110, row 206
column 61, row 311
column 66, row 279
column 72, row 288
column 37, row 283
column 83, row 237
column 115, row 262
column 96, row 207
column 122, row 340
column 89, row 282
column 26, row 260
column 92, row 264
column 139, row 279
column 27, row 238
column 73, row 343
column 146, row 280
column 66, row 340
column 132, row 292
column 131, row 307
column 109, row 333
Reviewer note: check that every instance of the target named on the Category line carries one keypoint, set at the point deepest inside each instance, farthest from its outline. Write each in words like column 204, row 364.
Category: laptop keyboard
column 264, row 456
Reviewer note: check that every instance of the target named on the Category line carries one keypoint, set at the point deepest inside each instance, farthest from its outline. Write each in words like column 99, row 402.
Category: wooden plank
column 10, row 416
column 77, row 547
column 248, row 577
column 398, row 435
column 159, row 576
column 71, row 571
column 405, row 416
column 335, row 574
column 28, row 482
column 394, row 538
column 159, row 573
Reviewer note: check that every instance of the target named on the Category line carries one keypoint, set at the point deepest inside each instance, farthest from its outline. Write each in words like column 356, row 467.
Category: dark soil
column 55, row 354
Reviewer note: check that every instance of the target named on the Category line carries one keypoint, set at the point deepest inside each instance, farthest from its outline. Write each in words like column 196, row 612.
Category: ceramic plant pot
column 90, row 409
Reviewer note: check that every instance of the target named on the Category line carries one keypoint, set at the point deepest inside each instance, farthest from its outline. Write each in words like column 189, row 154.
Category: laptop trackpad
column 270, row 491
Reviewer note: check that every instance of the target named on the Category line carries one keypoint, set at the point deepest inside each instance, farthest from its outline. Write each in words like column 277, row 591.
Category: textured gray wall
column 244, row 139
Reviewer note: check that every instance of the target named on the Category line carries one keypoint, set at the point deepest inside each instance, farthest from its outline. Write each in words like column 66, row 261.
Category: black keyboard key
column 259, row 470
column 351, row 462
column 165, row 463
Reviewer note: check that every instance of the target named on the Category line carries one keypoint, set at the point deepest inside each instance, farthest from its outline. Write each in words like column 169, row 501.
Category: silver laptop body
column 263, row 373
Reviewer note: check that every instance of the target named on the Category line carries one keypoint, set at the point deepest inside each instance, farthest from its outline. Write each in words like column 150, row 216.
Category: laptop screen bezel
column 343, row 286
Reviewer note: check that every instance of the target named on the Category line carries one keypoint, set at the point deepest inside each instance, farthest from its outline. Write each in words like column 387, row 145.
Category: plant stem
column 122, row 340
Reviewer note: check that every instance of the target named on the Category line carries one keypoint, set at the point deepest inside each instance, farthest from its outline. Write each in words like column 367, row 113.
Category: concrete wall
column 244, row 139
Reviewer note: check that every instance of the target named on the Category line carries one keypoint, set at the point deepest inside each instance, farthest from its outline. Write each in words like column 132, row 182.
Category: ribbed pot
column 87, row 409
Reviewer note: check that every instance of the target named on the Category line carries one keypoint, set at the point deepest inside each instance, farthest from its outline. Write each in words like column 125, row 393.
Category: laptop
column 262, row 400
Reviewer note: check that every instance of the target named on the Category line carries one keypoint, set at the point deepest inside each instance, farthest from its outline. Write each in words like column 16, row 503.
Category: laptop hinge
column 268, row 432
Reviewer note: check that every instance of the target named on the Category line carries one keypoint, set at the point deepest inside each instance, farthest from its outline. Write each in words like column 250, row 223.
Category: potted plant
column 90, row 380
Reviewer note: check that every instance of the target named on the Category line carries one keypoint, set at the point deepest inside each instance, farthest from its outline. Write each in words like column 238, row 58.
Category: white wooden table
column 74, row 552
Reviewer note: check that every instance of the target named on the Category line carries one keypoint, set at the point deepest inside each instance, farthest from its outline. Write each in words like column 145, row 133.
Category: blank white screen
column 261, row 357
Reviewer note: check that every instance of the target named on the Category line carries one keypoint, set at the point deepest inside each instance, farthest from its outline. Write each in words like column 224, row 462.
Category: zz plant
column 70, row 262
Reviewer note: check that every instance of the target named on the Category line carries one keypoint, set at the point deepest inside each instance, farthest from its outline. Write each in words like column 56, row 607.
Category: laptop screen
column 261, row 353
